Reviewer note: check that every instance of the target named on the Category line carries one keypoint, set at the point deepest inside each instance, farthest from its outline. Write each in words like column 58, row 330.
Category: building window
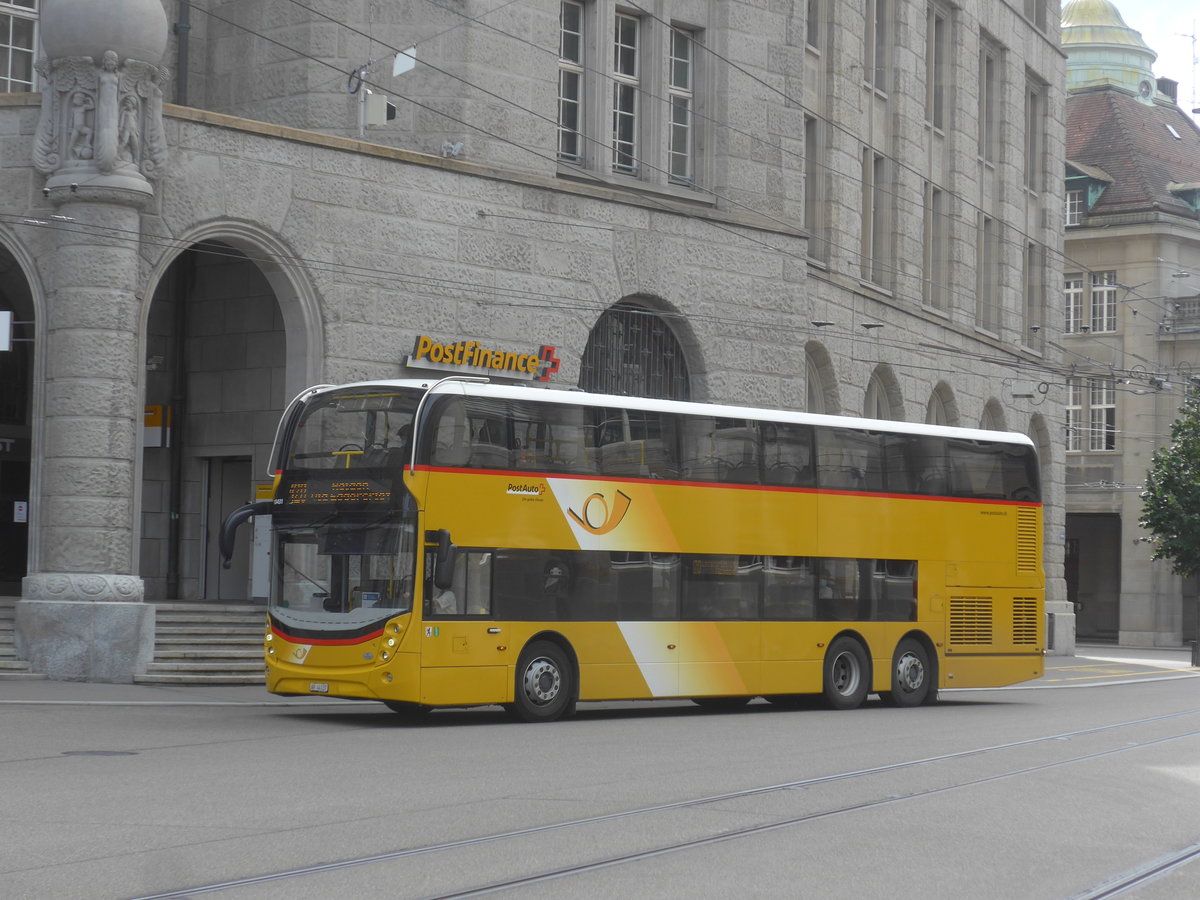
column 626, row 87
column 1102, row 414
column 812, row 31
column 875, row 217
column 1073, row 296
column 631, row 351
column 937, row 34
column 989, row 106
column 876, row 45
column 814, row 207
column 1035, row 133
column 18, row 45
column 987, row 274
column 934, row 261
column 1073, row 409
column 1075, row 207
column 1035, row 12
column 570, row 82
column 1104, row 301
column 681, row 98
column 1092, row 401
column 1032, row 290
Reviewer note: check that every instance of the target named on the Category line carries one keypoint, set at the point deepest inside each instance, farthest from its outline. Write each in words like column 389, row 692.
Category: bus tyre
column 544, row 690
column 847, row 677
column 911, row 675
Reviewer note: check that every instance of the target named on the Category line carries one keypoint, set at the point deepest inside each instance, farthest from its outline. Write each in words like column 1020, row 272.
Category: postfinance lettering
column 472, row 353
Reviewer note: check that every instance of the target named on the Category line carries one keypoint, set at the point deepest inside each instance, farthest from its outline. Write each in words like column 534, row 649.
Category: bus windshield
column 340, row 573
column 345, row 524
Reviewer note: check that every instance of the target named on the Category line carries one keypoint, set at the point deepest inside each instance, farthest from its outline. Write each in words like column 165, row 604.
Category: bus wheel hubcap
column 910, row 674
column 845, row 674
column 542, row 681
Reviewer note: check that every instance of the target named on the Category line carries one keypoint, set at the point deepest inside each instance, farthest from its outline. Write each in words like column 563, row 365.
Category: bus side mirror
column 443, row 566
column 233, row 521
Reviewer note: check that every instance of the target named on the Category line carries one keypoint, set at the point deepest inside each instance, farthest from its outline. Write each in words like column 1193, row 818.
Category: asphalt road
column 1085, row 784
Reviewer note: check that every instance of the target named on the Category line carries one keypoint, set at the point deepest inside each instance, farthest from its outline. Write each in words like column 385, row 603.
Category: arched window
column 941, row 409
column 631, row 351
column 815, row 399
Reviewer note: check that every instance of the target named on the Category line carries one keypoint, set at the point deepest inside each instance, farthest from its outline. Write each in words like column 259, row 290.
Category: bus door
column 465, row 653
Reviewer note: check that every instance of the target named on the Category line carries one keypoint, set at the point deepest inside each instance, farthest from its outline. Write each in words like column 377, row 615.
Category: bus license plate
column 316, row 688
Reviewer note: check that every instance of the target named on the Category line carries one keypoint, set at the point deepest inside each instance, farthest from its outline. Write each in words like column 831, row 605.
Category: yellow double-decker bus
column 463, row 543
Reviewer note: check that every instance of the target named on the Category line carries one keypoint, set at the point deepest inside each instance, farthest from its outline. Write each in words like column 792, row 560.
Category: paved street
column 1062, row 788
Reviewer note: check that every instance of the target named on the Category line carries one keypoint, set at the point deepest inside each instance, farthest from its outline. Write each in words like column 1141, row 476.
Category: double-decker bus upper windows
column 1021, row 476
column 850, row 460
column 976, row 469
column 351, row 428
column 787, row 454
column 553, row 437
column 736, row 447
column 637, row 443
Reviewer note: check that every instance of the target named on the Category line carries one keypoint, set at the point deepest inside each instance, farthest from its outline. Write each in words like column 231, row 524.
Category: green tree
column 1171, row 499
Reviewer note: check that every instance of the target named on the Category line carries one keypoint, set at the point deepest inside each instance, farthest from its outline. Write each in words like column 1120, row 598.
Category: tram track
column 1109, row 889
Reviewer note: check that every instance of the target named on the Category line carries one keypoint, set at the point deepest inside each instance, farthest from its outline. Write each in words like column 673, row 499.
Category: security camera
column 1035, row 328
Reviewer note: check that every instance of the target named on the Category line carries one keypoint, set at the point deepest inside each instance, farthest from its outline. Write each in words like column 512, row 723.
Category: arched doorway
column 216, row 384
column 16, row 414
column 632, row 351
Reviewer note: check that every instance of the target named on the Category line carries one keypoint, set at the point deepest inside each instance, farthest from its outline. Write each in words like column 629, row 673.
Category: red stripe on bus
column 525, row 473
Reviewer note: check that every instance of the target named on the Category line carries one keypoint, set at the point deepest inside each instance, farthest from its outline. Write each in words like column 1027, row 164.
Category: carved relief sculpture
column 100, row 124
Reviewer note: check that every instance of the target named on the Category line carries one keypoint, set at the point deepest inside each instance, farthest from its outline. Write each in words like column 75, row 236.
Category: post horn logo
column 597, row 517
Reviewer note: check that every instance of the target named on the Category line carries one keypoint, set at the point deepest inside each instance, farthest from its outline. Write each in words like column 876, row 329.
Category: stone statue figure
column 101, row 124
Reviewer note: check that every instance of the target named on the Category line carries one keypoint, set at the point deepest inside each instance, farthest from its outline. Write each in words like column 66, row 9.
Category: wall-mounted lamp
column 871, row 325
column 821, row 324
column 1035, row 328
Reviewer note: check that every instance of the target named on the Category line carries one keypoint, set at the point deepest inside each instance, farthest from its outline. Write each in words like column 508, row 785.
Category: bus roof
column 477, row 387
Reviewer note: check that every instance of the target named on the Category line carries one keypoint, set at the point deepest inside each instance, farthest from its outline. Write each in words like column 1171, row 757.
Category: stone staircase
column 206, row 643
column 11, row 668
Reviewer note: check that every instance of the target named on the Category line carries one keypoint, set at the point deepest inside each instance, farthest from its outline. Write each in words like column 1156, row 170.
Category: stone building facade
column 836, row 207
column 1132, row 320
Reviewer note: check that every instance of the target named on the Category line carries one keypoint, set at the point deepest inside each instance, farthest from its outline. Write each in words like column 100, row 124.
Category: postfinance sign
column 472, row 355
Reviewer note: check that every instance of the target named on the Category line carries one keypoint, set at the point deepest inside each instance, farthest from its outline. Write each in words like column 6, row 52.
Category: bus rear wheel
column 846, row 679
column 911, row 675
column 544, row 689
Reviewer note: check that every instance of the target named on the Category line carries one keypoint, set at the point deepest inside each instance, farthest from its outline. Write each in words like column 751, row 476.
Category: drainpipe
column 185, row 271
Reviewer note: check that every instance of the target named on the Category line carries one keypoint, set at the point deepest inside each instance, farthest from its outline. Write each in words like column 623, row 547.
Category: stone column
column 99, row 142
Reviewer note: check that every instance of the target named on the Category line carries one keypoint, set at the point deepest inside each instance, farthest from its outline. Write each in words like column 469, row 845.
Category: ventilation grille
column 1027, row 539
column 1026, row 617
column 970, row 620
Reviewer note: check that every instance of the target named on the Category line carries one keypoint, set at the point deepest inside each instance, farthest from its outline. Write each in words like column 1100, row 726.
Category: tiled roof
column 1131, row 142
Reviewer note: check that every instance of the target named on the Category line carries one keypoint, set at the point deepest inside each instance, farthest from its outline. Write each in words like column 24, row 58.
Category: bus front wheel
column 846, row 678
column 544, row 689
column 910, row 675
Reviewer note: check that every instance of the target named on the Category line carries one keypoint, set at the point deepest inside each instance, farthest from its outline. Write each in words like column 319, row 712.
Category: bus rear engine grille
column 970, row 620
column 1025, row 621
column 1027, row 539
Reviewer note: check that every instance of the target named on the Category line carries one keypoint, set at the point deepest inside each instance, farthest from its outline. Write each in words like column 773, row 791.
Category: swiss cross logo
column 550, row 363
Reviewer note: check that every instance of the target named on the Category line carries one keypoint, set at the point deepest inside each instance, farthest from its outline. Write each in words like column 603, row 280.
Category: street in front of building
column 1058, row 788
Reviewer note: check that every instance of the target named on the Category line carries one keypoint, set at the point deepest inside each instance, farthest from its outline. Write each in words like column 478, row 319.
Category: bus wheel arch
column 846, row 672
column 546, row 682
column 914, row 672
